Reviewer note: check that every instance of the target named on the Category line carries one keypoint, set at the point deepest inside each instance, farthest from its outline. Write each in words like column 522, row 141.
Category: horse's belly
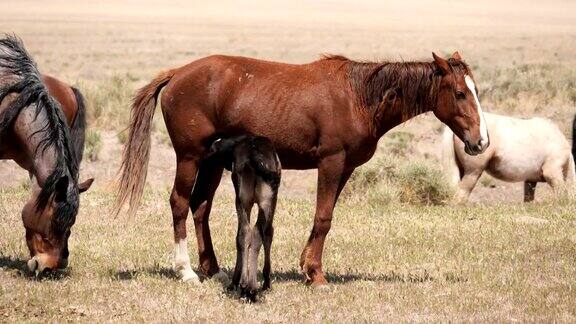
column 296, row 161
column 516, row 170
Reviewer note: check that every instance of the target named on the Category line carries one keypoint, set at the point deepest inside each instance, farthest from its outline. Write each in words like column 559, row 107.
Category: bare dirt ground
column 494, row 260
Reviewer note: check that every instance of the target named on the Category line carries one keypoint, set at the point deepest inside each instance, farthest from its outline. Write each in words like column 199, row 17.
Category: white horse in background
column 528, row 150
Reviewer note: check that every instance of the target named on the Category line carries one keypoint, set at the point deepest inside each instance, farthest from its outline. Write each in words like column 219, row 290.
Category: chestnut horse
column 327, row 114
column 34, row 133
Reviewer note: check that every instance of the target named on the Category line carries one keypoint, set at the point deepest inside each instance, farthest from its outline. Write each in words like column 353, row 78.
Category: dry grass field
column 389, row 256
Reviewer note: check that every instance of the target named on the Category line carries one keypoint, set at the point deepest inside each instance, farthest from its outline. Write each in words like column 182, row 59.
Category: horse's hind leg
column 183, row 183
column 201, row 198
column 529, row 189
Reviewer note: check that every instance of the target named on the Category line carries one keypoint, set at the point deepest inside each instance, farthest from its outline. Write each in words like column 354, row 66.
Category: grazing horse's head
column 48, row 218
column 457, row 103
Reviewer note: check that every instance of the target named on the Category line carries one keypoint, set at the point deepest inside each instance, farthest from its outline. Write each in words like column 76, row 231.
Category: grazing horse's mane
column 418, row 82
column 24, row 79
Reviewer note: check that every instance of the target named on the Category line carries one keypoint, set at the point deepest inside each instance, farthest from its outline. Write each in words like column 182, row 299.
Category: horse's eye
column 460, row 95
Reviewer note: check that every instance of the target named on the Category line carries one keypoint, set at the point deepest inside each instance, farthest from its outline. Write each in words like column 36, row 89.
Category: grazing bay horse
column 34, row 133
column 327, row 115
column 256, row 173
column 528, row 150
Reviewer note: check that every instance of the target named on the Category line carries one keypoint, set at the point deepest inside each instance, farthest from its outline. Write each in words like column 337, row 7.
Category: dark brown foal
column 256, row 176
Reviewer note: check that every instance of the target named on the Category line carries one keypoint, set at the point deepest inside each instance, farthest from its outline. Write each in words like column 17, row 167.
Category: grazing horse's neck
column 415, row 84
column 43, row 160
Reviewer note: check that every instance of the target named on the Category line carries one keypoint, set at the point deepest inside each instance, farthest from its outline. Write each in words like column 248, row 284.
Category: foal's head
column 48, row 218
column 457, row 103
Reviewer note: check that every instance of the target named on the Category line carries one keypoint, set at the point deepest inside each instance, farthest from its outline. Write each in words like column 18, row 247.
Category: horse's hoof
column 222, row 277
column 319, row 283
column 266, row 286
column 250, row 294
column 320, row 286
column 189, row 276
column 232, row 287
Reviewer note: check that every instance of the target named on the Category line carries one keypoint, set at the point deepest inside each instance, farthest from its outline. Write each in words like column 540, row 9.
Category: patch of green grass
column 93, row 145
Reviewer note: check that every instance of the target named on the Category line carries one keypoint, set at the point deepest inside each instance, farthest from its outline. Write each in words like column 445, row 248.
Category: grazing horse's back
column 73, row 106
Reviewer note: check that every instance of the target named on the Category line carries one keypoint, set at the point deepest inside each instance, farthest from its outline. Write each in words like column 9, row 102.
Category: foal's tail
column 137, row 149
column 78, row 129
column 449, row 157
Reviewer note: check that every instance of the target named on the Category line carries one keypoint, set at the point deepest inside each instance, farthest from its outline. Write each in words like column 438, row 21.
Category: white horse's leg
column 529, row 190
column 553, row 174
column 467, row 184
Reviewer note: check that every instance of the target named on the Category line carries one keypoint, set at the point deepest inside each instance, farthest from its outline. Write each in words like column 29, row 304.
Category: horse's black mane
column 24, row 79
column 417, row 81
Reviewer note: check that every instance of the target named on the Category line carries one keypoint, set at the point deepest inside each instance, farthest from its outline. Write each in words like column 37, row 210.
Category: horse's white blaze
column 483, row 127
column 182, row 262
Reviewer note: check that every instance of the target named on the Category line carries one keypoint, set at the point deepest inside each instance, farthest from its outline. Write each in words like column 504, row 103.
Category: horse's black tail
column 78, row 127
column 574, row 138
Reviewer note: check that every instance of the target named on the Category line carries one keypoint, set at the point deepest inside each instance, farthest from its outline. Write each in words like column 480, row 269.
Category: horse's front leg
column 332, row 176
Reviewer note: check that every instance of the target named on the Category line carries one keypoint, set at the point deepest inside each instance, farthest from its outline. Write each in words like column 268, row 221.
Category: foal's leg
column 247, row 282
column 185, row 176
column 332, row 176
column 207, row 182
column 529, row 190
column 266, row 198
column 250, row 276
column 244, row 201
column 268, row 208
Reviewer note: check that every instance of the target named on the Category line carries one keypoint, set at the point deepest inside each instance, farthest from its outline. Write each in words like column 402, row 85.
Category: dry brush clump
column 390, row 178
column 109, row 102
column 93, row 145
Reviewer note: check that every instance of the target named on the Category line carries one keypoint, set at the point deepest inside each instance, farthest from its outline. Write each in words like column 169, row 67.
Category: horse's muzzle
column 41, row 264
column 476, row 148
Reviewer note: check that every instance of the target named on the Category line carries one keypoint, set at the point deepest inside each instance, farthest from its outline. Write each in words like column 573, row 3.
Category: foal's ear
column 442, row 63
column 85, row 185
column 61, row 189
column 457, row 56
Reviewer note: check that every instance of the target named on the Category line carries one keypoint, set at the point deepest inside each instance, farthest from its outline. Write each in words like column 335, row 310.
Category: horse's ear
column 442, row 63
column 457, row 56
column 85, row 185
column 61, row 189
